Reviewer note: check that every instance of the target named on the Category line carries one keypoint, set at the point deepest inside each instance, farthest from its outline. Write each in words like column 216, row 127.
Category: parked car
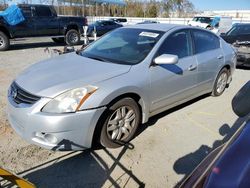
column 42, row 20
column 217, row 24
column 239, row 37
column 228, row 164
column 122, row 21
column 101, row 27
column 148, row 22
column 102, row 94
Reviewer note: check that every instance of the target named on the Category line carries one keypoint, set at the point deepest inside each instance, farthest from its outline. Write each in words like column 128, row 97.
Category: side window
column 245, row 30
column 104, row 23
column 205, row 41
column 43, row 11
column 177, row 44
column 26, row 10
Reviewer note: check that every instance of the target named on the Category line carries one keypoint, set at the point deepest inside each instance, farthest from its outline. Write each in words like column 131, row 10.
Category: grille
column 21, row 96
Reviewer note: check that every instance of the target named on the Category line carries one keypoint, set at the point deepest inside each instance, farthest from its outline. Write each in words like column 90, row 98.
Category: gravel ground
column 166, row 149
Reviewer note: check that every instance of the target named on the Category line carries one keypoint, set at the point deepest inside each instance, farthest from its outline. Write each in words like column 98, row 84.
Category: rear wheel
column 220, row 82
column 4, row 41
column 72, row 37
column 59, row 40
column 120, row 124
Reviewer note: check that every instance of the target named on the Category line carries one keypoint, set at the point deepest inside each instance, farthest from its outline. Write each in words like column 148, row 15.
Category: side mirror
column 166, row 59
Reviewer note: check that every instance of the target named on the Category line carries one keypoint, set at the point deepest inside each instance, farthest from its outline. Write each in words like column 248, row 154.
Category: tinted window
column 203, row 19
column 122, row 20
column 43, row 11
column 205, row 41
column 112, row 23
column 26, row 10
column 176, row 44
column 239, row 30
column 104, row 23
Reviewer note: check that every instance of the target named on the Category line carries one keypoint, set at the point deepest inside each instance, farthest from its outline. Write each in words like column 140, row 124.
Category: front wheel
column 120, row 124
column 4, row 41
column 72, row 37
column 220, row 82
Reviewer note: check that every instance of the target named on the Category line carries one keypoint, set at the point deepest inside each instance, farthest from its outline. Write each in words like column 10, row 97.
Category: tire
column 209, row 27
column 72, row 37
column 115, row 132
column 4, row 41
column 220, row 82
column 59, row 40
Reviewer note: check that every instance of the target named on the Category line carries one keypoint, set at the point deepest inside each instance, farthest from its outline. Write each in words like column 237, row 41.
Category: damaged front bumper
column 243, row 53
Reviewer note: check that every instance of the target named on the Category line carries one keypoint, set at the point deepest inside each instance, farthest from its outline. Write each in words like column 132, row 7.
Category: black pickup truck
column 42, row 20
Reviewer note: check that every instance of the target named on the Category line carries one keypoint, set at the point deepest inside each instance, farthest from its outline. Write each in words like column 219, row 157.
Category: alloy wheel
column 73, row 37
column 222, row 82
column 121, row 123
column 1, row 41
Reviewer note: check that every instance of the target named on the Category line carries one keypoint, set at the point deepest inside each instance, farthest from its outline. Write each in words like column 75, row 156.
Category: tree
column 152, row 9
column 181, row 7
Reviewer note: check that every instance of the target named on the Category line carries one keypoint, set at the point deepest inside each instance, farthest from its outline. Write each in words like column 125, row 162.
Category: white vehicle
column 217, row 24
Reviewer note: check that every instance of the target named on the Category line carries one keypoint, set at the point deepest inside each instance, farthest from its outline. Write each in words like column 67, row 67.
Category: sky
column 221, row 4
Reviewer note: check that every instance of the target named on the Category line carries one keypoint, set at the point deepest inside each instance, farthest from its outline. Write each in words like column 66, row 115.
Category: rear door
column 173, row 83
column 47, row 22
column 27, row 27
column 209, row 56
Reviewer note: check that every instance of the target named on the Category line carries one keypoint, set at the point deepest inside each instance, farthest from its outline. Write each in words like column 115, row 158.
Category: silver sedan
column 103, row 93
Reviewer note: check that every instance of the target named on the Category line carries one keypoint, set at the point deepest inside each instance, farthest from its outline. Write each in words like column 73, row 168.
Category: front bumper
column 69, row 131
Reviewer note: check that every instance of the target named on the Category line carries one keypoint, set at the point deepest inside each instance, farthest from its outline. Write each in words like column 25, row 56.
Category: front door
column 171, row 83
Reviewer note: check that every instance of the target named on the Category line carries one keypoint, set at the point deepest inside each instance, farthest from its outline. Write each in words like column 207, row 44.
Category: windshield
column 123, row 46
column 239, row 30
column 207, row 20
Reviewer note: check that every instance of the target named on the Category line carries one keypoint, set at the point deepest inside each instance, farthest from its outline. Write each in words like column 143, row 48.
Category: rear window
column 26, row 10
column 203, row 19
column 43, row 11
column 205, row 41
column 122, row 20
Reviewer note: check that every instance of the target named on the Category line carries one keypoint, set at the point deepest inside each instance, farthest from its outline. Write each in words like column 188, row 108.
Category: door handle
column 220, row 57
column 192, row 67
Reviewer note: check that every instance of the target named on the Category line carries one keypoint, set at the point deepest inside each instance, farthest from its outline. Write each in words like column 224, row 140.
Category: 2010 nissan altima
column 102, row 94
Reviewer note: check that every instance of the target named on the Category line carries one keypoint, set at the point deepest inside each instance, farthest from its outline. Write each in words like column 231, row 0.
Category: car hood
column 51, row 77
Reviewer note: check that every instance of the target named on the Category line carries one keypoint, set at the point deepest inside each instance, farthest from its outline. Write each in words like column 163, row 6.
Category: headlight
column 70, row 101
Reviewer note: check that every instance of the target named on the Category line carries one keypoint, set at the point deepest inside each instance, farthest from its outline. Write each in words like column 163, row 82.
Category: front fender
column 115, row 87
column 69, row 25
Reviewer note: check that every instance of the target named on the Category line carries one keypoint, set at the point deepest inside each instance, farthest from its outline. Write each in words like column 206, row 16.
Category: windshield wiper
column 97, row 58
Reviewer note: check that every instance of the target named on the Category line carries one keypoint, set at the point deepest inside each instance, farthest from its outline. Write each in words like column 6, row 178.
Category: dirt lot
column 166, row 149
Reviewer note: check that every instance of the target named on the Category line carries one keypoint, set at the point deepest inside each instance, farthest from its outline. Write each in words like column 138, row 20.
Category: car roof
column 158, row 27
column 34, row 5
column 205, row 16
column 247, row 24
